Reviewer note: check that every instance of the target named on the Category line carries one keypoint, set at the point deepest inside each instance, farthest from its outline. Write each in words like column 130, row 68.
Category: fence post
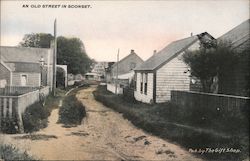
column 19, row 117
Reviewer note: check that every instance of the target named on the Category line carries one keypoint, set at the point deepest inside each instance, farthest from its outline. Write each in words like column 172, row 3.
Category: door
column 23, row 80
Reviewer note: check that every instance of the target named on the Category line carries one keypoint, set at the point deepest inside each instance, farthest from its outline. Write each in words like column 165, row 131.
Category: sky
column 106, row 26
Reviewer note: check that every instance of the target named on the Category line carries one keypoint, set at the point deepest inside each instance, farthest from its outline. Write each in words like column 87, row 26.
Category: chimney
column 155, row 51
column 191, row 34
column 132, row 51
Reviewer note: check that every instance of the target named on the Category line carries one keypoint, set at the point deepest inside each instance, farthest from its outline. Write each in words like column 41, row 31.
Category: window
column 23, row 80
column 132, row 65
column 141, row 82
column 145, row 83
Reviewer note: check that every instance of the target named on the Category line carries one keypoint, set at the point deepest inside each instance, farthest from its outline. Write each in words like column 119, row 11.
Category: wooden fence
column 226, row 103
column 16, row 90
column 14, row 106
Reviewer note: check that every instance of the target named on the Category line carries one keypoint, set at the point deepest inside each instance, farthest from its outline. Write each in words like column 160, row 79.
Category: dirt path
column 104, row 135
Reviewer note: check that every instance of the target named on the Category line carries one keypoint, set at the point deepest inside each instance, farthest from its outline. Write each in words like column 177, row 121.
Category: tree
column 38, row 40
column 210, row 64
column 70, row 51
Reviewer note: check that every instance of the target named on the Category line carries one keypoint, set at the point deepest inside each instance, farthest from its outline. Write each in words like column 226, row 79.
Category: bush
column 35, row 117
column 9, row 125
column 72, row 111
column 9, row 152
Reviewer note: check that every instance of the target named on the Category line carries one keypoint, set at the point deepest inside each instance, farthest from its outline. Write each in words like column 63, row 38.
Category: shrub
column 72, row 111
column 35, row 117
column 9, row 152
column 9, row 125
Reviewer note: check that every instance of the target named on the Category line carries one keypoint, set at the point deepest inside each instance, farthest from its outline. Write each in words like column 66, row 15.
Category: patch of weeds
column 10, row 152
column 80, row 133
column 9, row 125
column 72, row 111
column 36, row 137
column 139, row 138
column 161, row 151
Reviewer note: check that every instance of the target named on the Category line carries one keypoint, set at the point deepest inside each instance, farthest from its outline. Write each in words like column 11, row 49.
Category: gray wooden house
column 22, row 66
column 166, row 71
column 126, row 64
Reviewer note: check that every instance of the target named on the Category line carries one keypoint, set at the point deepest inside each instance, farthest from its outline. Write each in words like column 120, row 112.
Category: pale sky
column 108, row 25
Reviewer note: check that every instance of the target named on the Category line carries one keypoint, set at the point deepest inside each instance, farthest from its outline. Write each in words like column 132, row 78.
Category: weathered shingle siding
column 33, row 79
column 5, row 74
column 146, row 98
column 171, row 77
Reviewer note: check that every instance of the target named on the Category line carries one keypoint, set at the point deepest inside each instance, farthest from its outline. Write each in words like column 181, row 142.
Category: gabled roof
column 24, row 67
column 25, row 54
column 5, row 65
column 238, row 35
column 169, row 52
column 125, row 58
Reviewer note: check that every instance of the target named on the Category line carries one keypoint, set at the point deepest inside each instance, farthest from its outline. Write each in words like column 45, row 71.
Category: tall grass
column 35, row 117
column 72, row 110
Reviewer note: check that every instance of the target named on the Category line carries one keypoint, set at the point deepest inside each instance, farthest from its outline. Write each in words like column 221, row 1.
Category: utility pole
column 116, row 81
column 54, row 61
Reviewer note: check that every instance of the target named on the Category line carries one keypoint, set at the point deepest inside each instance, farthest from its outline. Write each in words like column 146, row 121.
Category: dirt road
column 103, row 135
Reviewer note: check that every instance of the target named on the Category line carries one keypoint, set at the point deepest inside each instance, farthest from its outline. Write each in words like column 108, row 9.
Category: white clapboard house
column 166, row 71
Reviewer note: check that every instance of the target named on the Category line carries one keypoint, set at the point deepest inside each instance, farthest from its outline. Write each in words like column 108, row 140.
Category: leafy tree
column 70, row 51
column 207, row 64
column 38, row 40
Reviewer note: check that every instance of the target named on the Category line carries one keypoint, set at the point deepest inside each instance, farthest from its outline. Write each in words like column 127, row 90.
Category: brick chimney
column 132, row 51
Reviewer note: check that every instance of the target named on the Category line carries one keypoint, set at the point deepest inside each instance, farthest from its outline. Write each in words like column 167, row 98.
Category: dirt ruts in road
column 103, row 135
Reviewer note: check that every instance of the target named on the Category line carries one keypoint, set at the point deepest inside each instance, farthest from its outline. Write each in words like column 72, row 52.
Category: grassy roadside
column 9, row 152
column 36, row 116
column 72, row 110
column 153, row 119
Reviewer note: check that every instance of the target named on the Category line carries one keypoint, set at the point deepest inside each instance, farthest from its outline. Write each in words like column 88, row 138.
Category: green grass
column 72, row 110
column 9, row 153
column 168, row 122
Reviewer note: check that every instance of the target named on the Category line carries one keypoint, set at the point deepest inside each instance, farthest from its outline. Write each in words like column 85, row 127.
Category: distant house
column 123, row 70
column 237, row 82
column 92, row 77
column 126, row 64
column 21, row 66
column 166, row 71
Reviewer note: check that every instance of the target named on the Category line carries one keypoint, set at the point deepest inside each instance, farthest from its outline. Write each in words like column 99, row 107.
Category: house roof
column 25, row 54
column 238, row 35
column 167, row 53
column 24, row 67
column 125, row 58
